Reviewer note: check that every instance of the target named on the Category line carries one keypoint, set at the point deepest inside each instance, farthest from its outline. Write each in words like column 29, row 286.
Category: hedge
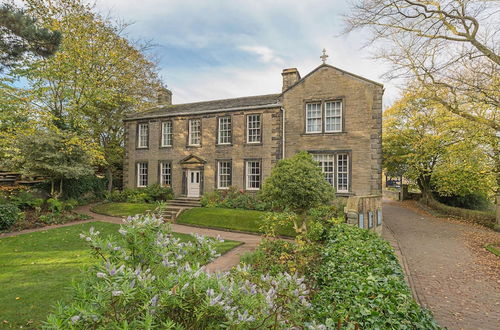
column 360, row 283
column 482, row 217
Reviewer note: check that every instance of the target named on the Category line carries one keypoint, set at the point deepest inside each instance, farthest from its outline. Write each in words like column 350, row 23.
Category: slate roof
column 240, row 103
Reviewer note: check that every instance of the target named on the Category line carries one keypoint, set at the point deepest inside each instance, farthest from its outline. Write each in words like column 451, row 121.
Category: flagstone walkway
column 441, row 268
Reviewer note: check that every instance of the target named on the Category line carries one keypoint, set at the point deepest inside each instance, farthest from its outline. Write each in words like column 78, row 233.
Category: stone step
column 179, row 202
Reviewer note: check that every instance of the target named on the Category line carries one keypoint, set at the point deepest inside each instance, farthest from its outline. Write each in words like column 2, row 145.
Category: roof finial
column 324, row 56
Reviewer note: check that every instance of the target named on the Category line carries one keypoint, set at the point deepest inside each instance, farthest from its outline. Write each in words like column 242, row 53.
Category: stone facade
column 283, row 129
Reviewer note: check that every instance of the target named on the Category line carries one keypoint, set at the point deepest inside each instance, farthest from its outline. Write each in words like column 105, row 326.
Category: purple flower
column 154, row 301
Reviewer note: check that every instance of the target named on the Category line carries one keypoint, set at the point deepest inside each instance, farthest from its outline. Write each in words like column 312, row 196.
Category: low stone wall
column 391, row 194
column 365, row 212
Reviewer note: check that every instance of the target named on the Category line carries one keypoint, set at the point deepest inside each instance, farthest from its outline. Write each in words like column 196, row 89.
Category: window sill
column 253, row 144
column 141, row 148
column 193, row 146
column 166, row 147
column 223, row 144
column 344, row 194
column 323, row 133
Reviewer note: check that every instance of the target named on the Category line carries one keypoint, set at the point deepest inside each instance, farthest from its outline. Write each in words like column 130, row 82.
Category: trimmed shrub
column 233, row 198
column 9, row 214
column 360, row 282
column 89, row 186
column 153, row 193
column 482, row 217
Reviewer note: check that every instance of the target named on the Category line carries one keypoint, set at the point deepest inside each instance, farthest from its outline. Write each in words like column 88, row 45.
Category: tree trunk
column 497, row 225
column 425, row 187
column 109, row 176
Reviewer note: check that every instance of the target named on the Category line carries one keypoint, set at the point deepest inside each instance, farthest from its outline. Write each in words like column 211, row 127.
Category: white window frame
column 224, row 126
column 165, row 172
column 344, row 171
column 317, row 116
column 327, row 164
column 166, row 133
column 142, row 174
column 194, row 135
column 250, row 177
column 142, row 135
column 227, row 175
column 254, row 131
column 333, row 111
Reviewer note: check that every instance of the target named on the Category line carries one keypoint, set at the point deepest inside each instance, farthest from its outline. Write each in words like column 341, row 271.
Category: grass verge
column 36, row 270
column 493, row 248
column 232, row 219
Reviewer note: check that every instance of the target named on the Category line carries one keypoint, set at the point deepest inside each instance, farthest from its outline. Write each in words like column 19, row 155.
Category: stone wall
column 365, row 212
column 362, row 124
column 268, row 151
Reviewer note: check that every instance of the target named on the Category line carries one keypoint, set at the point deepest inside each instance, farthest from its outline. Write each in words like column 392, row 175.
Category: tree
column 439, row 151
column 297, row 184
column 20, row 35
column 54, row 156
column 93, row 81
column 450, row 47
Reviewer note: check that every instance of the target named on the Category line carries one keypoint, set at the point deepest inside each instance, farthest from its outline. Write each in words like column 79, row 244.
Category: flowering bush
column 146, row 278
column 148, row 194
column 233, row 198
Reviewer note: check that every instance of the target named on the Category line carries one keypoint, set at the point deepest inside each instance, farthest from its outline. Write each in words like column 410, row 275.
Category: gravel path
column 444, row 273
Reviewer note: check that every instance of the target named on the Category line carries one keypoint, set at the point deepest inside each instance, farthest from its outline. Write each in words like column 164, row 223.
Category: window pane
column 313, row 117
column 166, row 174
column 326, row 163
column 166, row 140
column 194, row 132
column 142, row 174
column 253, row 175
column 253, row 129
column 333, row 116
column 142, row 136
column 342, row 173
column 224, row 134
column 224, row 174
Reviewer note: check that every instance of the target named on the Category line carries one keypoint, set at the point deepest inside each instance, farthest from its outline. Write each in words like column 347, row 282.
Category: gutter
column 188, row 113
column 283, row 134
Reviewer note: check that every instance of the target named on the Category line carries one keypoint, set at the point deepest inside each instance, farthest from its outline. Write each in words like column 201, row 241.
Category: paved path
column 442, row 270
column 223, row 263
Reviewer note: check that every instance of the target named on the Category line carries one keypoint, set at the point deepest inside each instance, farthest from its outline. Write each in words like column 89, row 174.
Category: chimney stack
column 290, row 77
column 164, row 96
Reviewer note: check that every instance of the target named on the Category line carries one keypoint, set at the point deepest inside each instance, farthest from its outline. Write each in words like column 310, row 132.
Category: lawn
column 234, row 219
column 36, row 270
column 123, row 209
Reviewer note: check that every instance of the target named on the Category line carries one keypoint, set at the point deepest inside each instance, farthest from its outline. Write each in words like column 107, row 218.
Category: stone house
column 198, row 147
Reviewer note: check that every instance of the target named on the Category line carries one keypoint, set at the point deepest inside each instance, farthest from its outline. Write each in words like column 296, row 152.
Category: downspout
column 283, row 133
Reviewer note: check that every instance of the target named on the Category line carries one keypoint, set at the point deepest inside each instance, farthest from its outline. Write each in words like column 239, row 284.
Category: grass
column 494, row 248
column 122, row 209
column 36, row 270
column 233, row 219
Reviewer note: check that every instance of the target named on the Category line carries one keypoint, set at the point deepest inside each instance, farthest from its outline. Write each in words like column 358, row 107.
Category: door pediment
column 193, row 160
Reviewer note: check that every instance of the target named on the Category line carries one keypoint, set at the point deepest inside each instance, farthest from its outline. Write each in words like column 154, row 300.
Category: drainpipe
column 283, row 133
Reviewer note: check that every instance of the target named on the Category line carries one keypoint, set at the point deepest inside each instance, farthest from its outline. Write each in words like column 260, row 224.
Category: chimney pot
column 164, row 96
column 290, row 77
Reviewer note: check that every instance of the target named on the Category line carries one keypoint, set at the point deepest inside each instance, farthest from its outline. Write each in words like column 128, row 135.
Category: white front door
column 193, row 183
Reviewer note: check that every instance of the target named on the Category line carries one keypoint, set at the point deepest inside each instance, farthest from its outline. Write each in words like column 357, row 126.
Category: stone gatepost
column 365, row 212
